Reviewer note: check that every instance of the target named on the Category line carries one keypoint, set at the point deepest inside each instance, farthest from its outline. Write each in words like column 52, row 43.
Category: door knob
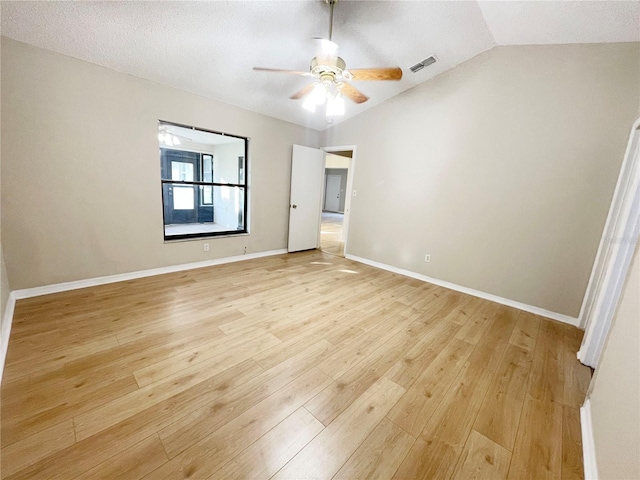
column 294, row 206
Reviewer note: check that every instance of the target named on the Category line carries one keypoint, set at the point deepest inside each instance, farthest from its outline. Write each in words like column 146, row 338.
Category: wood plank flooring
column 295, row 366
column 331, row 233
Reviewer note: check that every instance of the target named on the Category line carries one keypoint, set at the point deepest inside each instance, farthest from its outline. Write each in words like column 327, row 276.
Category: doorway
column 333, row 192
column 335, row 202
column 307, row 199
column 331, row 238
column 180, row 201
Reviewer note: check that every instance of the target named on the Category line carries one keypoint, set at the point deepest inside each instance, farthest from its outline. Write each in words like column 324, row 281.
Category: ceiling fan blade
column 353, row 93
column 303, row 92
column 278, row 70
column 394, row 73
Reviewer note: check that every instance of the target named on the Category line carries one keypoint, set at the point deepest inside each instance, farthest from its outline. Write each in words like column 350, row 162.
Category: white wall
column 81, row 192
column 502, row 169
column 615, row 389
column 225, row 170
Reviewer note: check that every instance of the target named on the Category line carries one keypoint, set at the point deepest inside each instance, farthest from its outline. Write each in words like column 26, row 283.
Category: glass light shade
column 319, row 94
column 309, row 104
column 328, row 48
column 335, row 106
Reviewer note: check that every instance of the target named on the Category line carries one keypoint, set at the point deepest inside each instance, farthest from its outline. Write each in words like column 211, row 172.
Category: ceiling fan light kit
column 168, row 138
column 335, row 106
column 331, row 74
column 317, row 97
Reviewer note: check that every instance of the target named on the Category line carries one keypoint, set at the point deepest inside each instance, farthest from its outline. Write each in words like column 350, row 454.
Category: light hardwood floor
column 331, row 233
column 295, row 366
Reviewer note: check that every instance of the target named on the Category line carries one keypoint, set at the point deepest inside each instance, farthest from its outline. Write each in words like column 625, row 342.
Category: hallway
column 331, row 239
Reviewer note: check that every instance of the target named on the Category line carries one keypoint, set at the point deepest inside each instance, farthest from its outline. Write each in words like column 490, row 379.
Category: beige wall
column 615, row 390
column 4, row 288
column 81, row 191
column 4, row 280
column 502, row 169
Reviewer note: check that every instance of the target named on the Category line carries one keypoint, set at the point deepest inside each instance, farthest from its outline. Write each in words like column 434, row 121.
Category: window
column 204, row 182
column 207, row 176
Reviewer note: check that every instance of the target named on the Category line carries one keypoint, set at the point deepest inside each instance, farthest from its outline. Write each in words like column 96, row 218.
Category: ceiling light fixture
column 335, row 106
column 317, row 97
column 168, row 138
column 331, row 77
column 325, row 92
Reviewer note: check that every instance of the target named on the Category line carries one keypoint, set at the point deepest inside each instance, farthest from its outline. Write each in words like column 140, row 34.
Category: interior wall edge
column 7, row 319
column 560, row 317
column 588, row 442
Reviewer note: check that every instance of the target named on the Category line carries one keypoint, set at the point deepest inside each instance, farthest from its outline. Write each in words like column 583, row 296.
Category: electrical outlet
column 427, row 258
column 205, row 247
column 245, row 250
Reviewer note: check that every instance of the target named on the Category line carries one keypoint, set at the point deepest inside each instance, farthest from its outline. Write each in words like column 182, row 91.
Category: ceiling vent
column 424, row 63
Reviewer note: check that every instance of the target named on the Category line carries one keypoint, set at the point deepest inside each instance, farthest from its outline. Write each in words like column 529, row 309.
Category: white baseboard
column 7, row 319
column 469, row 291
column 588, row 443
column 92, row 282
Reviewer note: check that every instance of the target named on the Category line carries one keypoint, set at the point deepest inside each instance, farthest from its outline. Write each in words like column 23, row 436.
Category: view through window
column 204, row 186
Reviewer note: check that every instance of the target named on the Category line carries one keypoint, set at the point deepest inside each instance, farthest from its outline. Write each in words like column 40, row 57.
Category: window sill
column 206, row 237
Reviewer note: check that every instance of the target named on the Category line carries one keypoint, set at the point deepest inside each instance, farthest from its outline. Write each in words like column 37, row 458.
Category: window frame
column 202, row 163
column 198, row 184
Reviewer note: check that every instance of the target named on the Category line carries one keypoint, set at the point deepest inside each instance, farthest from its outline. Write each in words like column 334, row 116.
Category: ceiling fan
column 331, row 76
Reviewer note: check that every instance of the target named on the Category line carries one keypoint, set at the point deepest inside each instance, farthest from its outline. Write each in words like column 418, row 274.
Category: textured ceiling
column 210, row 48
column 540, row 22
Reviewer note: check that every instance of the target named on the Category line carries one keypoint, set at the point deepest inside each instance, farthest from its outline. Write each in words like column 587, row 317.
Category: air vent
column 425, row 63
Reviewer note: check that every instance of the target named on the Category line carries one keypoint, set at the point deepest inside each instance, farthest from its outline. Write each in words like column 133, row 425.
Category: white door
column 332, row 193
column 307, row 172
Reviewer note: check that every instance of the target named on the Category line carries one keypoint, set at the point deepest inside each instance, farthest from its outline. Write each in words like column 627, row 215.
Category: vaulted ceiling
column 209, row 48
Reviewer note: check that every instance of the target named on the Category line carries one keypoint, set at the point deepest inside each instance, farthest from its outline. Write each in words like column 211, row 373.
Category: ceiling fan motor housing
column 328, row 68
